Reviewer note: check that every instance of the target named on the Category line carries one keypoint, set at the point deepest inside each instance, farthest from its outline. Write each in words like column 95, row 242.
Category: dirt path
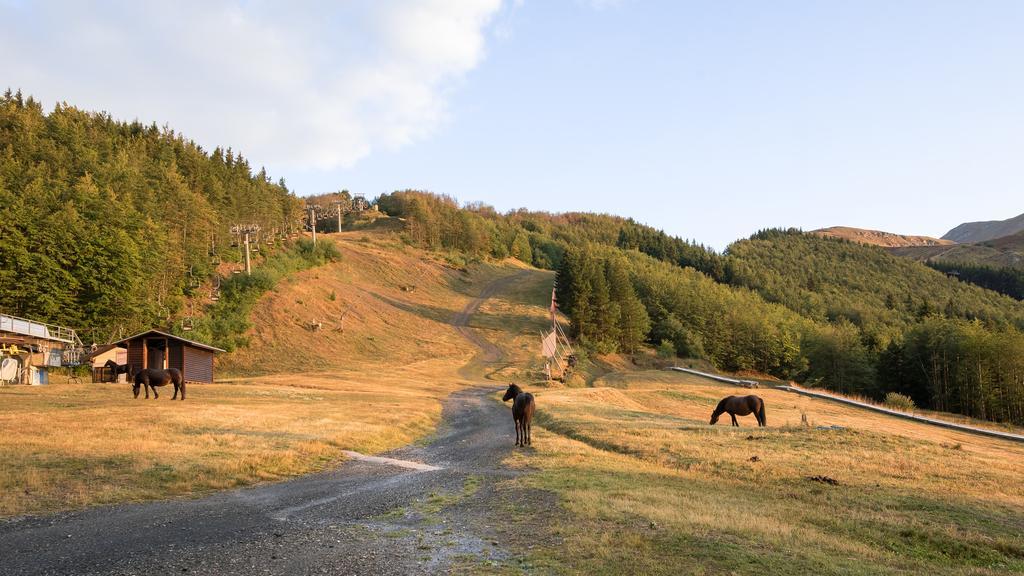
column 488, row 351
column 435, row 508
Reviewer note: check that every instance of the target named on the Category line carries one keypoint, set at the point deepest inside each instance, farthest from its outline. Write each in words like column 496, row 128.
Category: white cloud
column 297, row 85
column 601, row 4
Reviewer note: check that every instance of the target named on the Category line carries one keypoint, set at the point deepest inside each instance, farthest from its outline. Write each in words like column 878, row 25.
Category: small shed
column 100, row 355
column 156, row 349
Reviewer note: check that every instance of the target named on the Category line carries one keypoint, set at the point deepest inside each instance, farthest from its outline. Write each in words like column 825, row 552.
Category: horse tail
column 761, row 416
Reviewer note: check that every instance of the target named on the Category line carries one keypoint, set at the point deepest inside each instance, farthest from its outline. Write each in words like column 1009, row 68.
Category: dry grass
column 654, row 489
column 513, row 321
column 396, row 302
column 75, row 445
column 296, row 399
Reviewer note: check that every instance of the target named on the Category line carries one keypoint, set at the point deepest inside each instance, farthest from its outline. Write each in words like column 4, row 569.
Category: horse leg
column 517, row 432
column 529, row 433
column 155, row 395
column 734, row 421
column 183, row 390
column 175, row 397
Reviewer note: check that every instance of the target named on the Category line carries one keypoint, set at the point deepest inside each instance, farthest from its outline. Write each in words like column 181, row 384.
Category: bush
column 666, row 350
column 899, row 401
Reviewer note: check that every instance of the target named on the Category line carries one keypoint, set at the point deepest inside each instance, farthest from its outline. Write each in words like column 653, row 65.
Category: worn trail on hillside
column 488, row 351
column 433, row 508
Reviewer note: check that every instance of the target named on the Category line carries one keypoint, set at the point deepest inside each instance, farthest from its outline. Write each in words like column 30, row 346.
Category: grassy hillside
column 993, row 264
column 107, row 226
column 983, row 254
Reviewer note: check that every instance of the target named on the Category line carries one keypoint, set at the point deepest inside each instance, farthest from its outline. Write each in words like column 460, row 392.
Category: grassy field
column 67, row 446
column 650, row 487
column 286, row 405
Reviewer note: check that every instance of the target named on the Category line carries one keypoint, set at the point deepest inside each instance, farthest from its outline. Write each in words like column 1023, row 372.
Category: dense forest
column 105, row 225
column 826, row 312
column 1005, row 280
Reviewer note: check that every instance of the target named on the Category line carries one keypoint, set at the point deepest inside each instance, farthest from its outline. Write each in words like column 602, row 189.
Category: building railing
column 26, row 327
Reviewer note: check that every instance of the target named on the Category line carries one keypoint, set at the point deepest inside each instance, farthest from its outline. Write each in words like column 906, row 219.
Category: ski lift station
column 28, row 349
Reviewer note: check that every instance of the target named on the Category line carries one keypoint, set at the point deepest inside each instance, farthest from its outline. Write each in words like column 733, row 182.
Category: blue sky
column 707, row 119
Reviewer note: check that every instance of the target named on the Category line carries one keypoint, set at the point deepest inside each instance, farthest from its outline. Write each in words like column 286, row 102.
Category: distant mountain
column 879, row 238
column 1004, row 252
column 972, row 232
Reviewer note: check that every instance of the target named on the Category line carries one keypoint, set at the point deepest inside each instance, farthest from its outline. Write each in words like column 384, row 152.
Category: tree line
column 1002, row 279
column 104, row 224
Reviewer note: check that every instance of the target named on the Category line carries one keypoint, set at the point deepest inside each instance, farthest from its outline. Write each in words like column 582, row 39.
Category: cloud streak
column 304, row 85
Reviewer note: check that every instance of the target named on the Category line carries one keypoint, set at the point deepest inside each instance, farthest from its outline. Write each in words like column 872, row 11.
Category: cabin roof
column 101, row 349
column 172, row 337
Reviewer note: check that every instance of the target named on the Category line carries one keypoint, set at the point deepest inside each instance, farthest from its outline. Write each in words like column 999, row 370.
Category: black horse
column 740, row 406
column 151, row 378
column 115, row 369
column 523, row 407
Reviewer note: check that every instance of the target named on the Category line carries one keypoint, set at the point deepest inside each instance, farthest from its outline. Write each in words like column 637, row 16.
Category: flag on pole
column 549, row 344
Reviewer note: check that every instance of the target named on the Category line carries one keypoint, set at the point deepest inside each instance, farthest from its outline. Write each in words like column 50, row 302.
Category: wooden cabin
column 156, row 349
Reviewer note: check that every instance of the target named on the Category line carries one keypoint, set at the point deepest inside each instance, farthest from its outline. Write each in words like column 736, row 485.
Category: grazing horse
column 523, row 407
column 151, row 378
column 115, row 369
column 740, row 406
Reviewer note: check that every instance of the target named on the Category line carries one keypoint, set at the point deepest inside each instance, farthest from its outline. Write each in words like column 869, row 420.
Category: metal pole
column 312, row 219
column 248, row 265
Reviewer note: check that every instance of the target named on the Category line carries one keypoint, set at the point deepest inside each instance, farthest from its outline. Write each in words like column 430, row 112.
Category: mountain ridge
column 973, row 232
column 879, row 237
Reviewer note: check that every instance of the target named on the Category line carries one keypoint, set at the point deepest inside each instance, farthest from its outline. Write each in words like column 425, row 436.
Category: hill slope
column 381, row 304
column 970, row 232
column 834, row 280
column 994, row 264
column 879, row 238
column 1007, row 252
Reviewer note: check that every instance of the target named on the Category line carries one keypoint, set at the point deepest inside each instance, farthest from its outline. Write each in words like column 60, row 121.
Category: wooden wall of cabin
column 198, row 365
column 176, row 355
column 135, row 356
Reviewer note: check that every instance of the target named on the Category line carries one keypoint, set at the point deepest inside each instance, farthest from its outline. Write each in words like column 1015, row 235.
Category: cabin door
column 157, row 354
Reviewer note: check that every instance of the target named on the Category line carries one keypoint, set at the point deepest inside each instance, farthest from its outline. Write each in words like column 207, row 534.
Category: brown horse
column 151, row 378
column 116, row 369
column 740, row 406
column 523, row 407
